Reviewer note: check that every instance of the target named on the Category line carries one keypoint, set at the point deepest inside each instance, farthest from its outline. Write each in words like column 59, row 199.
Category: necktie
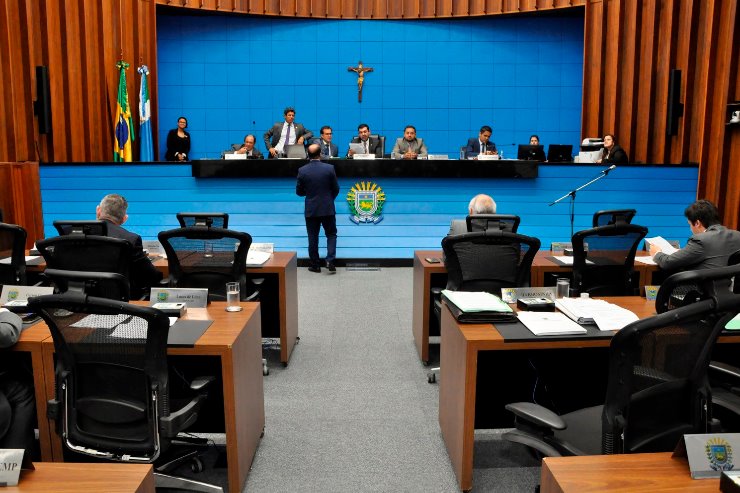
column 327, row 152
column 287, row 136
column 365, row 147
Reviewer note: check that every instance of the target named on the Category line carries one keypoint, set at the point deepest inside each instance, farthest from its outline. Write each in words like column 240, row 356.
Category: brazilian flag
column 124, row 129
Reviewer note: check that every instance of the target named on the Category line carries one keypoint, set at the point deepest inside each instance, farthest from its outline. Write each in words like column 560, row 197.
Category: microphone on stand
column 613, row 166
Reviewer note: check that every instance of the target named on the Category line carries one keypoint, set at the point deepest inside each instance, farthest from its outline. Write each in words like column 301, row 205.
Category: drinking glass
column 232, row 297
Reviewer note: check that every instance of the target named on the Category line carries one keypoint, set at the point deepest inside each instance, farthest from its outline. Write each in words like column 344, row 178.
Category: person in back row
column 480, row 204
column 285, row 133
column 248, row 148
column 328, row 148
column 142, row 274
column 370, row 144
column 409, row 146
column 710, row 245
column 481, row 144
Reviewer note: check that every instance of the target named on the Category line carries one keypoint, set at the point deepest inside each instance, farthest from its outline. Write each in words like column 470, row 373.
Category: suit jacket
column 317, row 181
column 616, row 156
column 176, row 145
column 473, row 147
column 402, row 146
column 705, row 250
column 458, row 227
column 373, row 145
column 333, row 149
column 256, row 154
column 142, row 274
column 272, row 136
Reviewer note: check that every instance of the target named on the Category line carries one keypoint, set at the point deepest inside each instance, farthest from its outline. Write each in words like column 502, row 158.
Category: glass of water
column 232, row 297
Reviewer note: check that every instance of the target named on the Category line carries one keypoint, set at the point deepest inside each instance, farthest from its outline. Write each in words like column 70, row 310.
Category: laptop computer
column 295, row 151
column 560, row 153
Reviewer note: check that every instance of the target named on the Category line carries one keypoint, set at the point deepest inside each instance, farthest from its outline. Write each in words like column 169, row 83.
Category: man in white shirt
column 285, row 133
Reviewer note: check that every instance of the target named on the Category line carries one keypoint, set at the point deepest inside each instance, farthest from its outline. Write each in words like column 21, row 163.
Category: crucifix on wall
column 360, row 70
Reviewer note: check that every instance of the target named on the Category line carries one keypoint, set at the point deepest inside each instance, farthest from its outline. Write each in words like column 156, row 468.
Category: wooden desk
column 72, row 478
column 30, row 341
column 428, row 275
column 634, row 473
column 235, row 338
column 460, row 348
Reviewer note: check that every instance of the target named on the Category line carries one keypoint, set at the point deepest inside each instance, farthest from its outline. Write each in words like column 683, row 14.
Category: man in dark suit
column 328, row 149
column 481, row 144
column 142, row 274
column 285, row 133
column 710, row 245
column 317, row 181
column 370, row 144
column 248, row 148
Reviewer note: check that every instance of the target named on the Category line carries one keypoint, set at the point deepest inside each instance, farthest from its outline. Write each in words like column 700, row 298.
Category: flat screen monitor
column 531, row 153
column 560, row 153
column 296, row 151
column 97, row 228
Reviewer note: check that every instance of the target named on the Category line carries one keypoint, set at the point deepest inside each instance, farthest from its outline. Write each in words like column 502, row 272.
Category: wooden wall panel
column 21, row 198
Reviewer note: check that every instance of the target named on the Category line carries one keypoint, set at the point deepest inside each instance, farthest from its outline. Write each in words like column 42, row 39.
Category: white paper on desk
column 549, row 323
column 569, row 260
column 663, row 244
column 476, row 301
column 28, row 259
column 615, row 318
column 257, row 258
column 645, row 259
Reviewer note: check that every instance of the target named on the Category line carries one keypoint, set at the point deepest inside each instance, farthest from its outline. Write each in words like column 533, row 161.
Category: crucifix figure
column 360, row 70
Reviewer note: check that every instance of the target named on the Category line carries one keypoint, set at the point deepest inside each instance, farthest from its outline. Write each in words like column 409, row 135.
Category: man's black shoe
column 331, row 268
column 314, row 269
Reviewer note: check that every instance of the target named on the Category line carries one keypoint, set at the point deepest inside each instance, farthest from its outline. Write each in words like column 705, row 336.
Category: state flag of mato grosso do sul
column 124, row 130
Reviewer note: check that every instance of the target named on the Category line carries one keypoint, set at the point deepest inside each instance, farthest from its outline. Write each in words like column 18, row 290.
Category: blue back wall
column 232, row 75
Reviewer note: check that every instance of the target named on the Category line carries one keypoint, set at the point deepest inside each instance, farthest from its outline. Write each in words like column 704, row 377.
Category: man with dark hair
column 317, row 181
column 710, row 245
column 409, row 146
column 370, row 145
column 328, row 149
column 481, row 144
column 248, row 148
column 285, row 133
column 142, row 274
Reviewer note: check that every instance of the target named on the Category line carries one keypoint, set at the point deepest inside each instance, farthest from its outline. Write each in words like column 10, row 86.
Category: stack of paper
column 257, row 258
column 661, row 243
column 468, row 306
column 606, row 316
column 549, row 324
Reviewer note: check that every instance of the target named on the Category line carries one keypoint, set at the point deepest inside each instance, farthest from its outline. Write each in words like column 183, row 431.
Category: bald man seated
column 480, row 204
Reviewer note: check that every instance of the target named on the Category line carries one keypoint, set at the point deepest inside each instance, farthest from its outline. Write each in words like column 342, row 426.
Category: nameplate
column 11, row 460
column 438, row 157
column 18, row 295
column 364, row 156
column 153, row 247
column 511, row 295
column 235, row 156
column 709, row 454
column 488, row 157
column 560, row 246
column 262, row 247
column 192, row 297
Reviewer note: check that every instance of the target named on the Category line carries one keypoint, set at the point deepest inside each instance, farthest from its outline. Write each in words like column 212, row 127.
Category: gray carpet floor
column 353, row 410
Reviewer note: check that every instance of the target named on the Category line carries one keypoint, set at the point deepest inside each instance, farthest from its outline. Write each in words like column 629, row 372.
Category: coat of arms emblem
column 366, row 200
column 719, row 454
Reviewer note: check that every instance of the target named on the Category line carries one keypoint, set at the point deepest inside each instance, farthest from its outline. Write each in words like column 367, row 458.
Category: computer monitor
column 560, row 153
column 531, row 153
column 97, row 228
column 295, row 151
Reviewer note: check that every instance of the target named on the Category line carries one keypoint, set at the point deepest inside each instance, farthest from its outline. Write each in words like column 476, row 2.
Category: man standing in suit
column 248, row 148
column 142, row 274
column 710, row 245
column 481, row 145
column 285, row 133
column 328, row 150
column 480, row 204
column 317, row 181
column 371, row 145
column 408, row 146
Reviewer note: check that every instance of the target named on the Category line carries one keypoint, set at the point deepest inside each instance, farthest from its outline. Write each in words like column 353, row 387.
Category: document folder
column 492, row 310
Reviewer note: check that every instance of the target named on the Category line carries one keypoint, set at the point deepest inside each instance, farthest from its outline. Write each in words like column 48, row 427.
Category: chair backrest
column 488, row 260
column 614, row 216
column 98, row 228
column 13, row 246
column 111, row 375
column 686, row 288
column 110, row 285
column 203, row 219
column 484, row 222
column 207, row 258
column 657, row 388
column 382, row 143
column 607, row 268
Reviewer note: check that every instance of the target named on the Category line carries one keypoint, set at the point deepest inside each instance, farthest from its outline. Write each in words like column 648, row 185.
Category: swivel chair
column 657, row 388
column 483, row 222
column 607, row 269
column 13, row 246
column 613, row 216
column 203, row 219
column 112, row 397
column 208, row 258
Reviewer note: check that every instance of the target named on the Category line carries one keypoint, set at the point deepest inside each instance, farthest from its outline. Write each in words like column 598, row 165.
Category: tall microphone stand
column 572, row 195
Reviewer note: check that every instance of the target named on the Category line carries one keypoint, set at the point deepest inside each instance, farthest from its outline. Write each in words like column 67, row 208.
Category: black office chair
column 112, row 389
column 97, row 228
column 96, row 265
column 483, row 222
column 203, row 219
column 208, row 258
column 657, row 388
column 607, row 269
column 614, row 216
column 13, row 246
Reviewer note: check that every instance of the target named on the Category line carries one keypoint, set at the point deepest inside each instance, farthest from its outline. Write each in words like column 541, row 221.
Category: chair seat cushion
column 583, row 431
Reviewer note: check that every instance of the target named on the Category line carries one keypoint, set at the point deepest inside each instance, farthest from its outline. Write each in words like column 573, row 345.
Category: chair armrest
column 181, row 419
column 200, row 383
column 725, row 369
column 536, row 414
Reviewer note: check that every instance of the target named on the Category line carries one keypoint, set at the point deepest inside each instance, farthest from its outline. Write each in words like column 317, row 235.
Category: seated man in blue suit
column 481, row 144
column 142, row 274
column 328, row 149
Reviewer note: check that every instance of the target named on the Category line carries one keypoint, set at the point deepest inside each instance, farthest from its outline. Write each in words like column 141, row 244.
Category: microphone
column 607, row 170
